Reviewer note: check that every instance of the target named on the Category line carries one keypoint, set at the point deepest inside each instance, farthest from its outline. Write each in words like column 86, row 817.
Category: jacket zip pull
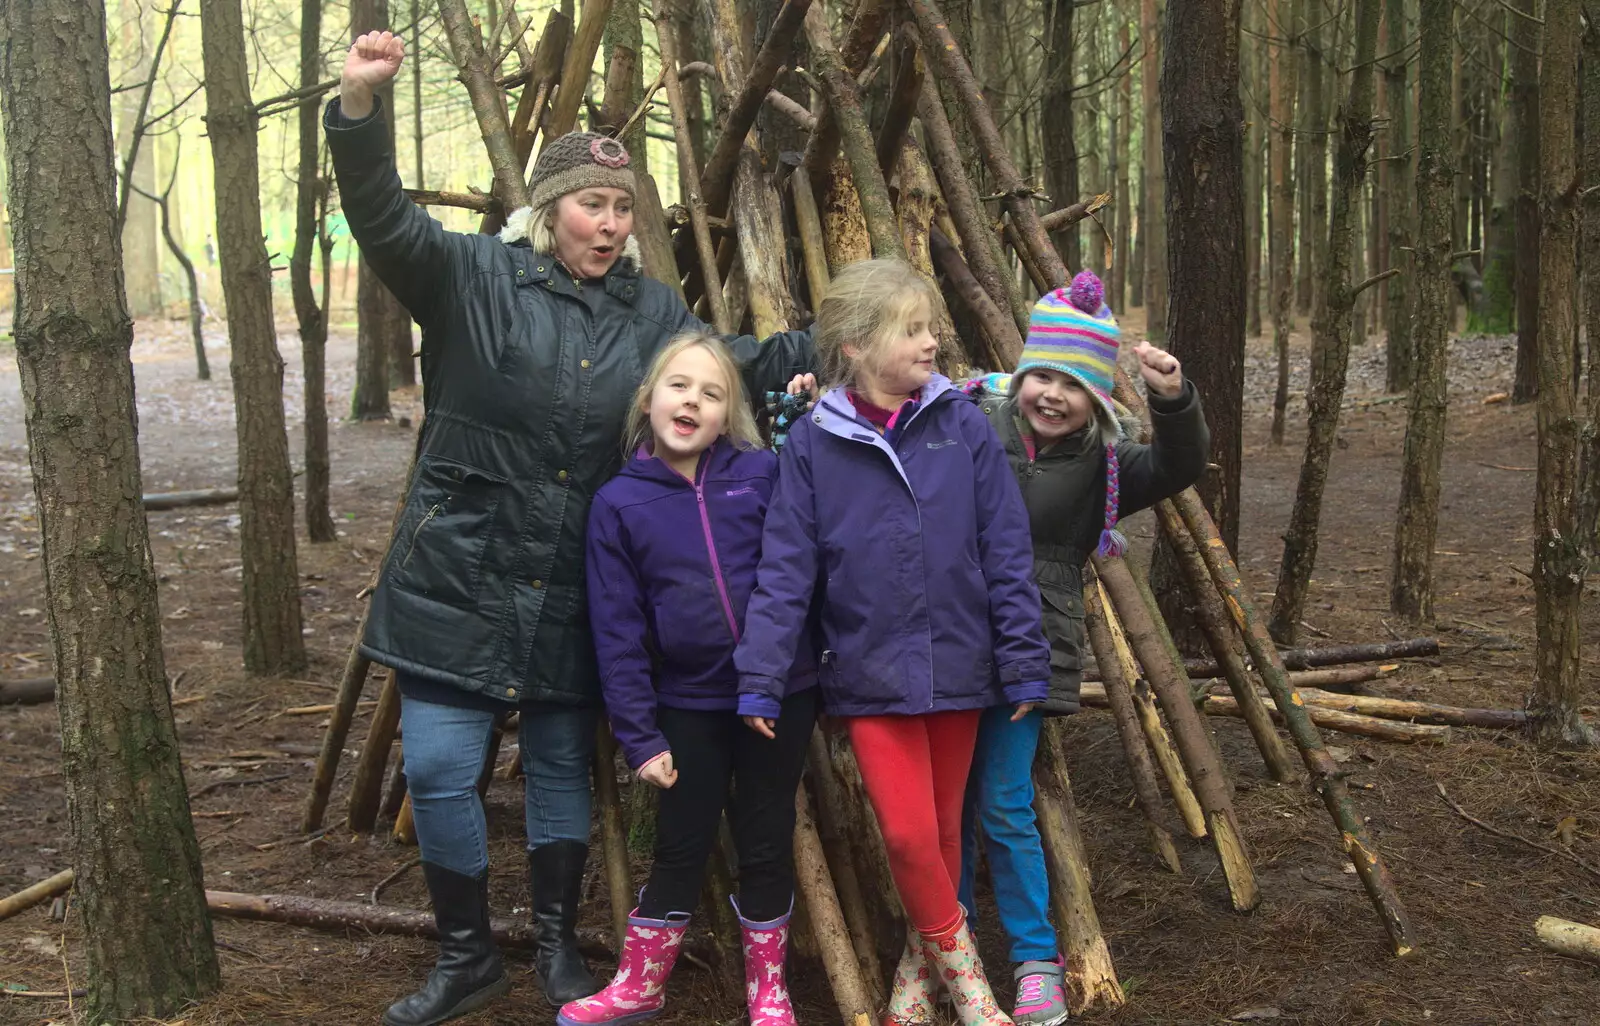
column 711, row 550
column 433, row 511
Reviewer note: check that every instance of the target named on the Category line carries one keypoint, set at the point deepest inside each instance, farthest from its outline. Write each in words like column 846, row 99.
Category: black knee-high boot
column 555, row 880
column 469, row 973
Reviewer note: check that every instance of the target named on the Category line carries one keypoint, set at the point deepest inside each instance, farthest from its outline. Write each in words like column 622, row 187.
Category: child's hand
column 762, row 725
column 1163, row 374
column 1022, row 710
column 659, row 771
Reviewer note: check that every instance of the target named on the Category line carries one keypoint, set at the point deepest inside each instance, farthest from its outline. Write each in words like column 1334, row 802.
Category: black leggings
column 715, row 753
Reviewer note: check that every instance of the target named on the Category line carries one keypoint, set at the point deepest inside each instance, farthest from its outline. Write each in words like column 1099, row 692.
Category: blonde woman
column 533, row 345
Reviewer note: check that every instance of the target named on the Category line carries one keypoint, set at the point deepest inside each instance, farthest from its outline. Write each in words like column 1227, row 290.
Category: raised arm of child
column 1180, row 441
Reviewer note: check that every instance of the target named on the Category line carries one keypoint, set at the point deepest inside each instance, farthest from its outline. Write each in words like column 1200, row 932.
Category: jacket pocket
column 439, row 548
column 1064, row 629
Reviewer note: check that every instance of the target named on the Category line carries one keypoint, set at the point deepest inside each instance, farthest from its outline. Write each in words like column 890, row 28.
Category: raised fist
column 373, row 59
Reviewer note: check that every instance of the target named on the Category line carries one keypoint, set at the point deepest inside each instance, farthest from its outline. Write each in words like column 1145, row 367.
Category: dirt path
column 1313, row 952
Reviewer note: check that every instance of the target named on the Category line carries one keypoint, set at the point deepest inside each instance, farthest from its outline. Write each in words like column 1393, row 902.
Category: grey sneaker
column 1041, row 997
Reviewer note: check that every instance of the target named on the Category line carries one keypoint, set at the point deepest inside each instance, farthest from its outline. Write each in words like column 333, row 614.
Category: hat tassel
column 1112, row 541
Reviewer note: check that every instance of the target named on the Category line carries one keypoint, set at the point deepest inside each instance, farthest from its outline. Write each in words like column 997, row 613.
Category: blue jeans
column 1000, row 800
column 444, row 748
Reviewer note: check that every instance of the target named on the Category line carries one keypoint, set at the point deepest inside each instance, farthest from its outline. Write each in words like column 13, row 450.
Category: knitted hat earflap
column 1112, row 541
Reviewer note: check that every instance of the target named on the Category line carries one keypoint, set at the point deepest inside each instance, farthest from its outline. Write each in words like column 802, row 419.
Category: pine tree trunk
column 1314, row 231
column 1059, row 132
column 1154, row 210
column 1250, row 68
column 1122, row 198
column 1497, row 313
column 1563, row 543
column 415, row 49
column 1204, row 117
column 625, row 27
column 1280, row 88
column 147, row 938
column 1136, row 272
column 1331, row 331
column 1400, row 350
column 272, row 641
column 313, row 324
column 1411, row 578
column 1525, row 111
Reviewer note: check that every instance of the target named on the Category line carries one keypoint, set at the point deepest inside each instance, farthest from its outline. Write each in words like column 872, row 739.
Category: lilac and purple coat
column 671, row 565
column 914, row 547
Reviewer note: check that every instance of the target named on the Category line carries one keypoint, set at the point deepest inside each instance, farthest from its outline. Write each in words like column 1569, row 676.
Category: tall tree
column 1331, row 331
column 1399, row 348
column 313, row 324
column 1317, row 63
column 1565, row 504
column 1124, row 152
column 1059, row 131
column 141, row 242
column 147, row 937
column 1525, row 110
column 1496, row 311
column 1252, row 84
column 272, row 641
column 1281, row 89
column 1203, row 122
column 1411, row 576
column 1153, row 212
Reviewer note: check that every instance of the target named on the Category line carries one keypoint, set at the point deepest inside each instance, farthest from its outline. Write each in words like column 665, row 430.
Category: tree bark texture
column 1525, row 105
column 1058, row 129
column 1313, row 226
column 1402, row 289
column 1280, row 88
column 1153, row 213
column 1331, row 330
column 272, row 641
column 147, row 939
column 313, row 325
column 1411, row 578
column 625, row 32
column 1496, row 313
column 1117, row 293
column 1254, row 160
column 1561, row 548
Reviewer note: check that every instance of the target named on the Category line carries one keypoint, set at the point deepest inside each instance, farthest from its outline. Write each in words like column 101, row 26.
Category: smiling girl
column 673, row 545
column 1079, row 475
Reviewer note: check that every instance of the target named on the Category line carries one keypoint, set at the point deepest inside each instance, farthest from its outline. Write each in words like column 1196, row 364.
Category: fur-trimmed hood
column 519, row 228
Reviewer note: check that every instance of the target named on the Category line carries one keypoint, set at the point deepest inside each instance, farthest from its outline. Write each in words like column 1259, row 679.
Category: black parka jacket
column 527, row 377
column 1064, row 489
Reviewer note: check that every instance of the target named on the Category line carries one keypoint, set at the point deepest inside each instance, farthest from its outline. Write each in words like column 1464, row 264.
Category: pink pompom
column 1087, row 293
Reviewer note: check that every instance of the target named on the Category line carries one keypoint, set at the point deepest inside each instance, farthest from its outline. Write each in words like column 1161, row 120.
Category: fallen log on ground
column 1574, row 940
column 37, row 894
column 1417, row 712
column 1338, row 655
column 33, row 691
column 179, row 500
column 1094, row 694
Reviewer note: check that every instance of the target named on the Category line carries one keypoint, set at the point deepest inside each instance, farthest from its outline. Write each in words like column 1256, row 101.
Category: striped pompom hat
column 1071, row 330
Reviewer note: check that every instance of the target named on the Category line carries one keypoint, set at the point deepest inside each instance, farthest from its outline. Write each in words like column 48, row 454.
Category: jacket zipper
column 711, row 550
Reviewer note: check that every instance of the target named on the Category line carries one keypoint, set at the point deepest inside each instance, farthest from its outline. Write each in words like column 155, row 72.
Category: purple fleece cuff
column 1032, row 691
column 764, row 706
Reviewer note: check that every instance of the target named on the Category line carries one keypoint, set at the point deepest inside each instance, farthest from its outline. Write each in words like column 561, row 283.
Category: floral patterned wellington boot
column 1041, row 996
column 766, row 949
column 955, row 958
column 639, row 989
column 912, row 998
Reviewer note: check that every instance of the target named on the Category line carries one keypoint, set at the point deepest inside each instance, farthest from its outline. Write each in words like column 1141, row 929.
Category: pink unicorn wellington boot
column 766, row 949
column 639, row 989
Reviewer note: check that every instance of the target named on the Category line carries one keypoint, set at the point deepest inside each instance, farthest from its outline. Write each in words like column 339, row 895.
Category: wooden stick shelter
column 927, row 208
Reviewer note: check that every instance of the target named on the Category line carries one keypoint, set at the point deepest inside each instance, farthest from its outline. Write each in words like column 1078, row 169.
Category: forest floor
column 1312, row 953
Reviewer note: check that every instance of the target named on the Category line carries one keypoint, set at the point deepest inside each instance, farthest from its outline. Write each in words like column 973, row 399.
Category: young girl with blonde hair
column 897, row 516
column 673, row 544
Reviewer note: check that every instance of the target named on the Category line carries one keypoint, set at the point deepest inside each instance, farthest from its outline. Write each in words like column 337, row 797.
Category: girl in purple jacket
column 897, row 515
column 673, row 544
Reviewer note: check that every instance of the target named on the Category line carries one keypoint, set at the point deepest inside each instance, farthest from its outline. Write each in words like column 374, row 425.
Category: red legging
column 915, row 771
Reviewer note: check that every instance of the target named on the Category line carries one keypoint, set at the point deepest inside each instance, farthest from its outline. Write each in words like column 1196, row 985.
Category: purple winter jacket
column 671, row 566
column 918, row 556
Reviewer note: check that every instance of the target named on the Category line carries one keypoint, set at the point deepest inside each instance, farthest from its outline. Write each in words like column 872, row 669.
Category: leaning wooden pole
column 950, row 64
column 832, row 827
column 488, row 103
column 351, row 684
column 827, row 920
column 613, row 835
column 1091, row 979
column 366, row 789
column 1149, row 717
column 575, row 69
column 845, row 102
column 1134, row 749
column 689, row 170
column 1325, row 776
column 1166, row 676
column 1220, row 636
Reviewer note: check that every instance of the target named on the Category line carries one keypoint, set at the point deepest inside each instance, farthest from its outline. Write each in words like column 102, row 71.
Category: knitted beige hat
column 580, row 160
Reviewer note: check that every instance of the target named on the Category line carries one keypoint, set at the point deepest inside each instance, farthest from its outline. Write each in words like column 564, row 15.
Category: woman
column 533, row 345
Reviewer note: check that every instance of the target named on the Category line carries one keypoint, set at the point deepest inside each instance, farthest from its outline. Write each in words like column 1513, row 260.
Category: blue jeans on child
column 1000, row 800
column 444, row 748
